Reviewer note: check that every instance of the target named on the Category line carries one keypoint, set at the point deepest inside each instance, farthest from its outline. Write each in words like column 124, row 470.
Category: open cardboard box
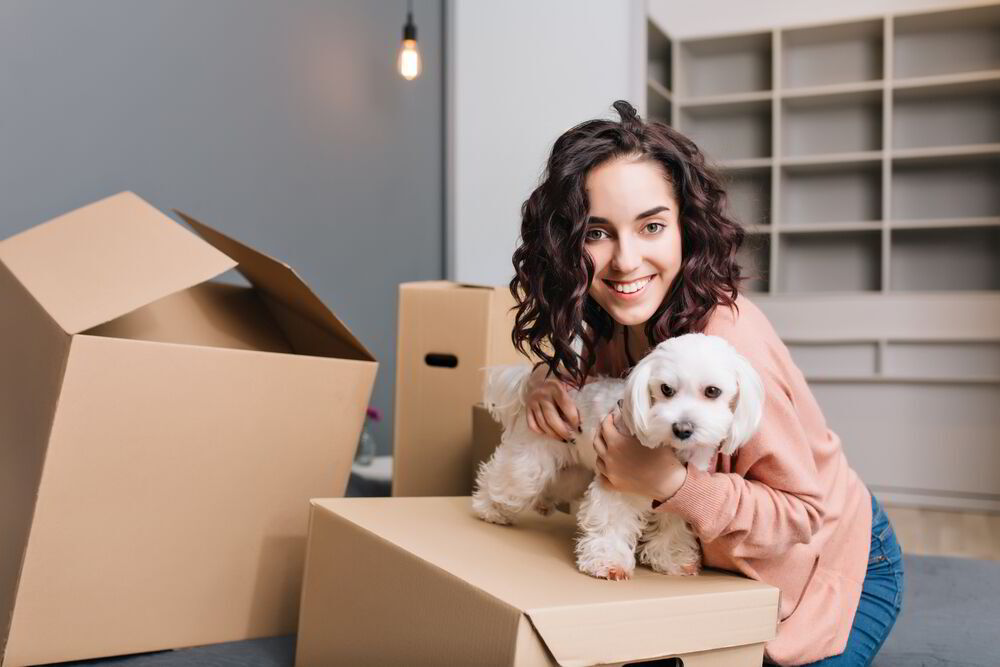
column 422, row 581
column 160, row 435
column 447, row 333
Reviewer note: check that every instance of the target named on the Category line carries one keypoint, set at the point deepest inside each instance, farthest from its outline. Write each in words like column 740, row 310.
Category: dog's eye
column 713, row 392
column 667, row 391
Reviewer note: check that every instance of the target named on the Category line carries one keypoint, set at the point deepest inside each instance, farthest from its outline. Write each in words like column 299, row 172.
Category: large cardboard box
column 160, row 436
column 422, row 581
column 447, row 333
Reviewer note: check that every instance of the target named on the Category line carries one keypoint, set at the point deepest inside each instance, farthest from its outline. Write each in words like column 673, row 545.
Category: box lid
column 448, row 284
column 106, row 259
column 582, row 620
column 278, row 280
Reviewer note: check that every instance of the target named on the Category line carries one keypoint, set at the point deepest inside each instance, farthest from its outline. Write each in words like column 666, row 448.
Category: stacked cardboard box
column 447, row 334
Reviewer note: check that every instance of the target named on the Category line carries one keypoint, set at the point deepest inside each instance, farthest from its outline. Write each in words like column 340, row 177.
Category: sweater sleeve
column 772, row 501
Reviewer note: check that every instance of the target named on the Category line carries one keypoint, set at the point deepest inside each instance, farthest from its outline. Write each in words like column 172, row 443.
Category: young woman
column 626, row 243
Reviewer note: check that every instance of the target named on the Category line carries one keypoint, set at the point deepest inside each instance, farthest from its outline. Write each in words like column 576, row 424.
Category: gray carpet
column 951, row 616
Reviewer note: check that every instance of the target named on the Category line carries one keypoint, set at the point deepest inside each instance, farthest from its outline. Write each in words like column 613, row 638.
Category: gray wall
column 284, row 124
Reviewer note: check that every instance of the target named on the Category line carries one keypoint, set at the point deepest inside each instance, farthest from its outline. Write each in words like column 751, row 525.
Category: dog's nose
column 683, row 430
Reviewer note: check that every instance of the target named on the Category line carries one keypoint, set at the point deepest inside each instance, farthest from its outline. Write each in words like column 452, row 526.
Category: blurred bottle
column 366, row 445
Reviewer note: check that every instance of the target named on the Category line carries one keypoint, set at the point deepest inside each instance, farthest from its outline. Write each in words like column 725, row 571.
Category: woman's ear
column 637, row 399
column 749, row 405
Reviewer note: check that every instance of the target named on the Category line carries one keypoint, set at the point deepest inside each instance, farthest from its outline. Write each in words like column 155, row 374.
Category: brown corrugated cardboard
column 454, row 590
column 447, row 333
column 160, row 436
column 486, row 433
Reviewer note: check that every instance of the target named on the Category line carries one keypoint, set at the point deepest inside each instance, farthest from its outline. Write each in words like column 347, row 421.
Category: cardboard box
column 486, row 434
column 422, row 581
column 160, row 436
column 447, row 333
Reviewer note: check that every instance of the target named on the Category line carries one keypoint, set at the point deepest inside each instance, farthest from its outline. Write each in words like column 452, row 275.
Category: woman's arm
column 774, row 502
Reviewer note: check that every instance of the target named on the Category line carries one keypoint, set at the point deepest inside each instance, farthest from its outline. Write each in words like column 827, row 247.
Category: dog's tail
column 503, row 391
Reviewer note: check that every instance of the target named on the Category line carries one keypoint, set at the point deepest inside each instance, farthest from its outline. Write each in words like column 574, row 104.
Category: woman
column 626, row 243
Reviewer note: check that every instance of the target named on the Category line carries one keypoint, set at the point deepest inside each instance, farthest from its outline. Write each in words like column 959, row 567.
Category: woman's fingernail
column 580, row 429
column 573, row 440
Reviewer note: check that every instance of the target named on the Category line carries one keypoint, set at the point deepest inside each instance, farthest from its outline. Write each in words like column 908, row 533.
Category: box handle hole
column 441, row 360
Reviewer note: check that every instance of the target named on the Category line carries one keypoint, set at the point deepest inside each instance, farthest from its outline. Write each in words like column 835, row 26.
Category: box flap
column 106, row 259
column 582, row 620
column 449, row 284
column 279, row 281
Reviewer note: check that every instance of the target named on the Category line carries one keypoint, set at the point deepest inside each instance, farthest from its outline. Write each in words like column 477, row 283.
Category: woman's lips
column 633, row 295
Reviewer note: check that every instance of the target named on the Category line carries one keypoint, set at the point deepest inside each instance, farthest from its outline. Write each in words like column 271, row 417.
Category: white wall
column 710, row 17
column 520, row 72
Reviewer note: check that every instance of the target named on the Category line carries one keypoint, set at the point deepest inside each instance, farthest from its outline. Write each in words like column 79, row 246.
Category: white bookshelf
column 863, row 157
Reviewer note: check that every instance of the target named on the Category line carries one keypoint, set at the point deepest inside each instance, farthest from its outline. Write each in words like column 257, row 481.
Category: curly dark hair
column 553, row 271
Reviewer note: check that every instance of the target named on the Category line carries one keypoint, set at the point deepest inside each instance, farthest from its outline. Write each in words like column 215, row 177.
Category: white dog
column 694, row 393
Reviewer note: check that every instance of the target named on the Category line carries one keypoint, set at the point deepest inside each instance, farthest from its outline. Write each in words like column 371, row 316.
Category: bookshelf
column 863, row 158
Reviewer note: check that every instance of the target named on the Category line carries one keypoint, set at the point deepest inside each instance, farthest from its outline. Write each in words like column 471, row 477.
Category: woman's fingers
column 568, row 409
column 543, row 426
column 531, row 422
column 599, row 445
column 543, row 429
column 608, row 429
column 555, row 422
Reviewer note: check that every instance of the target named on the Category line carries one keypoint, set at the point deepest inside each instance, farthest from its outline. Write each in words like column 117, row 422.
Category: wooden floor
column 943, row 533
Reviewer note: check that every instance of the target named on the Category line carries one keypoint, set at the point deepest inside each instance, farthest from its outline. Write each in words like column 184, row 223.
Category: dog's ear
column 749, row 405
column 637, row 400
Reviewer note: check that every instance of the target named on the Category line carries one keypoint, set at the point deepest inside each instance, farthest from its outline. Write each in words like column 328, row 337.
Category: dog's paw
column 543, row 507
column 605, row 557
column 491, row 512
column 610, row 571
column 691, row 569
column 677, row 569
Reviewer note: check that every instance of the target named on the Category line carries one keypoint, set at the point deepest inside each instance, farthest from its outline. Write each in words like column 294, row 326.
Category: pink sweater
column 786, row 508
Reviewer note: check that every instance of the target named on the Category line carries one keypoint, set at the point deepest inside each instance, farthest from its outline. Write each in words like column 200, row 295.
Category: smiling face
column 633, row 237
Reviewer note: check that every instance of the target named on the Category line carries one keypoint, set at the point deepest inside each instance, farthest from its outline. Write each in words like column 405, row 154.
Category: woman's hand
column 549, row 408
column 624, row 464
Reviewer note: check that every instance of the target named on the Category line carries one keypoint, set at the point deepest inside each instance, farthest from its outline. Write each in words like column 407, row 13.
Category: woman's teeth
column 629, row 288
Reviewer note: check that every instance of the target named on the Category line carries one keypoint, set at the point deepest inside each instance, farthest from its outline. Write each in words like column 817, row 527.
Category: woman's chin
column 631, row 316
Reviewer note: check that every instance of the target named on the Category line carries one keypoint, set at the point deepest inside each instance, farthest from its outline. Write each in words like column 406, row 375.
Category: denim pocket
column 877, row 553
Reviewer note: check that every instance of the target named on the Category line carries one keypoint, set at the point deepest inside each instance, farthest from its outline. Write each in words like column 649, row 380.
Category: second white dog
column 694, row 393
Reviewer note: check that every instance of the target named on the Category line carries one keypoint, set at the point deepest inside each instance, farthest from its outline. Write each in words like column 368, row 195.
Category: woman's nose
column 625, row 259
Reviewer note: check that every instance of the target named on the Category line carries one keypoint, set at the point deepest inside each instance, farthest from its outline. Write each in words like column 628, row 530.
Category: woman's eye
column 713, row 392
column 667, row 391
column 656, row 224
column 593, row 238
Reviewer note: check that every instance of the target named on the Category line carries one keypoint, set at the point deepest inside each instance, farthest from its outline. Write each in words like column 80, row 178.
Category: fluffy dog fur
column 667, row 400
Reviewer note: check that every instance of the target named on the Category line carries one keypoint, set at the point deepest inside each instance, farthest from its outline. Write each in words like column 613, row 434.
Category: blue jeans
column 881, row 597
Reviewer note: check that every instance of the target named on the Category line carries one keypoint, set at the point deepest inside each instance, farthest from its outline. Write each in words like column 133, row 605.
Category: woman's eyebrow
column 595, row 220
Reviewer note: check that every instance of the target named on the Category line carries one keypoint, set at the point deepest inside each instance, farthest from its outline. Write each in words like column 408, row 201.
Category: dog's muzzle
column 683, row 430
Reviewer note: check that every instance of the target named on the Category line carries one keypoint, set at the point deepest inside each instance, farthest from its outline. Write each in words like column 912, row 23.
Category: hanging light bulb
column 409, row 58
